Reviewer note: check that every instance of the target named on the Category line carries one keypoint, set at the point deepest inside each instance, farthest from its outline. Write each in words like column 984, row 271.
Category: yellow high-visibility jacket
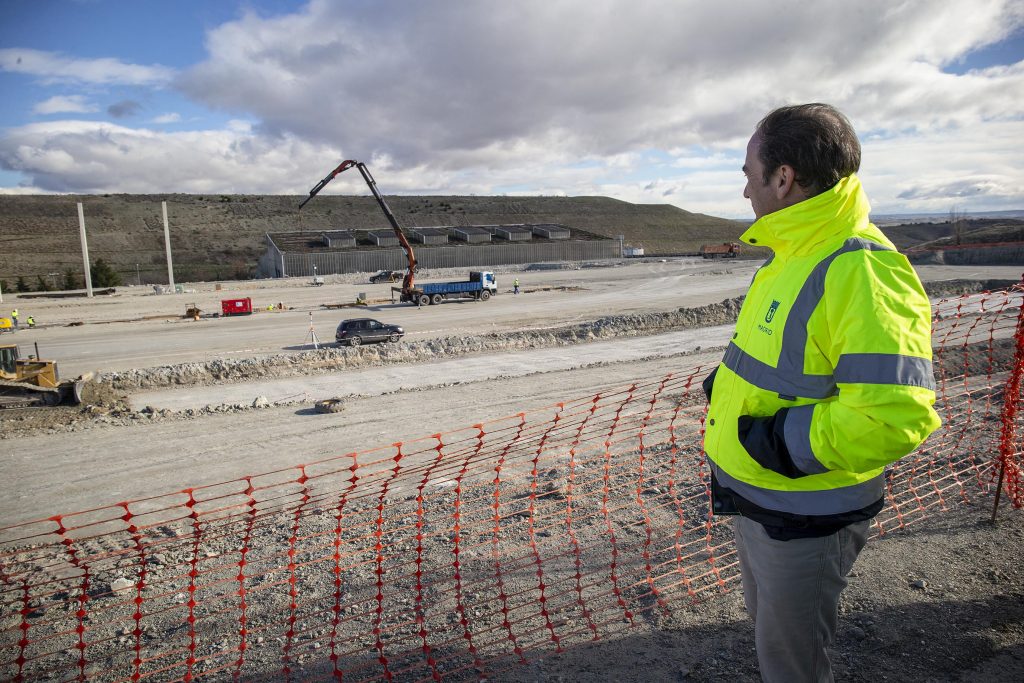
column 828, row 377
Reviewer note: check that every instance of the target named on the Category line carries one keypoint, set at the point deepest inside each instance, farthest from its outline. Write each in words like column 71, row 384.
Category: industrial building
column 303, row 253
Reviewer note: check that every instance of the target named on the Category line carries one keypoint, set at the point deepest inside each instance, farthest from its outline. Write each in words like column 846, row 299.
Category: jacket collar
column 841, row 210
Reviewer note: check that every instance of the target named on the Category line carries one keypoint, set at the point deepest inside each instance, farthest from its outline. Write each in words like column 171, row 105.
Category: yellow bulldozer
column 32, row 382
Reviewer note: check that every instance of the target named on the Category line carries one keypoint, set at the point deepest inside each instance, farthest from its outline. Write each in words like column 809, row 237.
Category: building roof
column 312, row 241
column 339, row 234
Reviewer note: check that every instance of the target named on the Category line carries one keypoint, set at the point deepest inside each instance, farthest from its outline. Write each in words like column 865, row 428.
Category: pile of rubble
column 107, row 404
column 343, row 358
column 331, row 359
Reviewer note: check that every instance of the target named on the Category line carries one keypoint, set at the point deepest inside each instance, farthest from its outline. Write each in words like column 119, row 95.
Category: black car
column 362, row 330
column 387, row 276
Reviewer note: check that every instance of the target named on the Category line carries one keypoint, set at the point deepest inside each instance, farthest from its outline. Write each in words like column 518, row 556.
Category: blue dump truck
column 480, row 286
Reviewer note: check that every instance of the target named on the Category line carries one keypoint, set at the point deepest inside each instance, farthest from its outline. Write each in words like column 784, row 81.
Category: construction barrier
column 459, row 555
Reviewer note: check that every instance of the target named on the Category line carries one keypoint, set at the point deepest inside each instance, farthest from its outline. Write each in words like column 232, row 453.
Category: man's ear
column 784, row 181
column 787, row 189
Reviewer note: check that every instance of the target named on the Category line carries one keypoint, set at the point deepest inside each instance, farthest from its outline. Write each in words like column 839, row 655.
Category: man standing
column 14, row 317
column 827, row 379
column 515, row 286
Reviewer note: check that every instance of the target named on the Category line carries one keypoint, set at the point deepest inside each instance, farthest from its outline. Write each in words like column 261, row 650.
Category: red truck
column 236, row 306
column 723, row 250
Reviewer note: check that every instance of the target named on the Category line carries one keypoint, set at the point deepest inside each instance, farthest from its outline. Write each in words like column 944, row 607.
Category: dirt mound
column 105, row 400
column 953, row 288
column 337, row 358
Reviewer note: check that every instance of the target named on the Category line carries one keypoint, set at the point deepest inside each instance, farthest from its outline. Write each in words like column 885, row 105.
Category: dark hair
column 815, row 139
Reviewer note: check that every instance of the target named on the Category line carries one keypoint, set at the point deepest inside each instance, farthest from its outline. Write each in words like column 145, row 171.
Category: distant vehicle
column 481, row 286
column 723, row 250
column 386, row 276
column 358, row 331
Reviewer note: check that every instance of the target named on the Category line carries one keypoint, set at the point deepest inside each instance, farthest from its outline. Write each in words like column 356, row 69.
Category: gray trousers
column 791, row 590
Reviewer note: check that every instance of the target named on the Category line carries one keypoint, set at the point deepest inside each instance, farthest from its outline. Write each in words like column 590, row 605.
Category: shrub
column 70, row 281
column 103, row 275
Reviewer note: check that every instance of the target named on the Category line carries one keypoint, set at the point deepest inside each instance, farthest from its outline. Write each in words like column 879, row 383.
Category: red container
column 236, row 306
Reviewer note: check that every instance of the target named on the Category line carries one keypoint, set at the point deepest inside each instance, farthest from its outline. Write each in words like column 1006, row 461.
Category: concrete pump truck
column 480, row 285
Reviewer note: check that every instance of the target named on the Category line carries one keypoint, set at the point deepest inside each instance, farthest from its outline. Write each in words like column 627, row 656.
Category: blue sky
column 649, row 101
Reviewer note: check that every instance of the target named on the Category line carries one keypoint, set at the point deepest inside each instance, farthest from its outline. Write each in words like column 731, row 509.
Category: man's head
column 798, row 152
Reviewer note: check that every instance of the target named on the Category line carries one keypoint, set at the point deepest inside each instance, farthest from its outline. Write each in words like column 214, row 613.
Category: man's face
column 762, row 195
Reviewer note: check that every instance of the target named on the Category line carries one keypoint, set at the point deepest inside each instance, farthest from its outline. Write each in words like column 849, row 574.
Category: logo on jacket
column 770, row 315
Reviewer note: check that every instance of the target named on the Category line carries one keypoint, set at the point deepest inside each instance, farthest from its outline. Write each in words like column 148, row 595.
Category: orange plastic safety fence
column 458, row 555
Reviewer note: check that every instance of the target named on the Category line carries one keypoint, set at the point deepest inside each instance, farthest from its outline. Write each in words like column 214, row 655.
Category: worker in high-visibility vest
column 14, row 318
column 31, row 322
column 828, row 379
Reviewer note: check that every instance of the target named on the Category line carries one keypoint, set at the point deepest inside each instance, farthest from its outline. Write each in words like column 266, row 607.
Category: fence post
column 1008, row 432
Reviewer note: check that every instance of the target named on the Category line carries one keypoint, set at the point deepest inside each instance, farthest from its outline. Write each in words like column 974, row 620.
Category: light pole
column 137, row 275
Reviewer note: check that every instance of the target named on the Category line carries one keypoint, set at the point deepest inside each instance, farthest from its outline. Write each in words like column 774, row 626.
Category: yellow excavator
column 33, row 382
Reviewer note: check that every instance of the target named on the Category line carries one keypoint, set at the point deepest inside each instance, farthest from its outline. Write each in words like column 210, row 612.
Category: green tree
column 21, row 285
column 103, row 275
column 4, row 287
column 70, row 281
column 41, row 285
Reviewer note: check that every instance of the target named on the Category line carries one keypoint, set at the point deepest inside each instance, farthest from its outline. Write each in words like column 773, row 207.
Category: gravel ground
column 941, row 600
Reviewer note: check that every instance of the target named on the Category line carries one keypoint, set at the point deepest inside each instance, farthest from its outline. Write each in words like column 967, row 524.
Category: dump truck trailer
column 481, row 285
column 723, row 250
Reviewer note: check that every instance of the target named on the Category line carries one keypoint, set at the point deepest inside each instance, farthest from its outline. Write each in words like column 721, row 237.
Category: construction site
column 482, row 461
column 513, row 491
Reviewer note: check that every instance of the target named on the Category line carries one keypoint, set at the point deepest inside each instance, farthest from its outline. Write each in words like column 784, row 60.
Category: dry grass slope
column 221, row 236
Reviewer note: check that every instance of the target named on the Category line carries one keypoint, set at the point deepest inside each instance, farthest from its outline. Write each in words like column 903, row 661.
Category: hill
column 221, row 236
column 973, row 231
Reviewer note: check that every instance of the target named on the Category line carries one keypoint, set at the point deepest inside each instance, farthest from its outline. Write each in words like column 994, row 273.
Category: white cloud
column 567, row 96
column 443, row 78
column 52, row 67
column 85, row 156
column 65, row 104
column 931, row 171
column 172, row 117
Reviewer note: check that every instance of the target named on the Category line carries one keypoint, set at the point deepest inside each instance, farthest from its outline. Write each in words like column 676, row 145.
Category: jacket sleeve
column 875, row 332
column 708, row 384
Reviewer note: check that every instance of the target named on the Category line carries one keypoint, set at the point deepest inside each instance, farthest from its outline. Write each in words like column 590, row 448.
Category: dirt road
column 143, row 329
column 71, row 470
column 136, row 328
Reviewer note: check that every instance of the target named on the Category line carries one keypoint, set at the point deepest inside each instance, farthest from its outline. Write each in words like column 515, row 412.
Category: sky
column 647, row 101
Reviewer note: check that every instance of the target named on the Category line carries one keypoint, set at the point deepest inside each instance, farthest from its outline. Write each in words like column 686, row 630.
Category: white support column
column 167, row 245
column 85, row 251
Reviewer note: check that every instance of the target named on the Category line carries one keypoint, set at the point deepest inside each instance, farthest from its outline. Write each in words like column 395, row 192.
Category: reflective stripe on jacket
column 836, row 328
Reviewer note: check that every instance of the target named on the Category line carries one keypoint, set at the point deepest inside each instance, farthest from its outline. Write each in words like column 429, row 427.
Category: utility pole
column 167, row 244
column 85, row 251
column 137, row 275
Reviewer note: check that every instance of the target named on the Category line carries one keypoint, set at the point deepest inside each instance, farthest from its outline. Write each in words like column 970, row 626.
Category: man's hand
column 763, row 439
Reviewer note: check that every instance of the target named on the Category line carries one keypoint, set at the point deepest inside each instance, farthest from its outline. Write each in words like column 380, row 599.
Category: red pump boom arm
column 372, row 184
